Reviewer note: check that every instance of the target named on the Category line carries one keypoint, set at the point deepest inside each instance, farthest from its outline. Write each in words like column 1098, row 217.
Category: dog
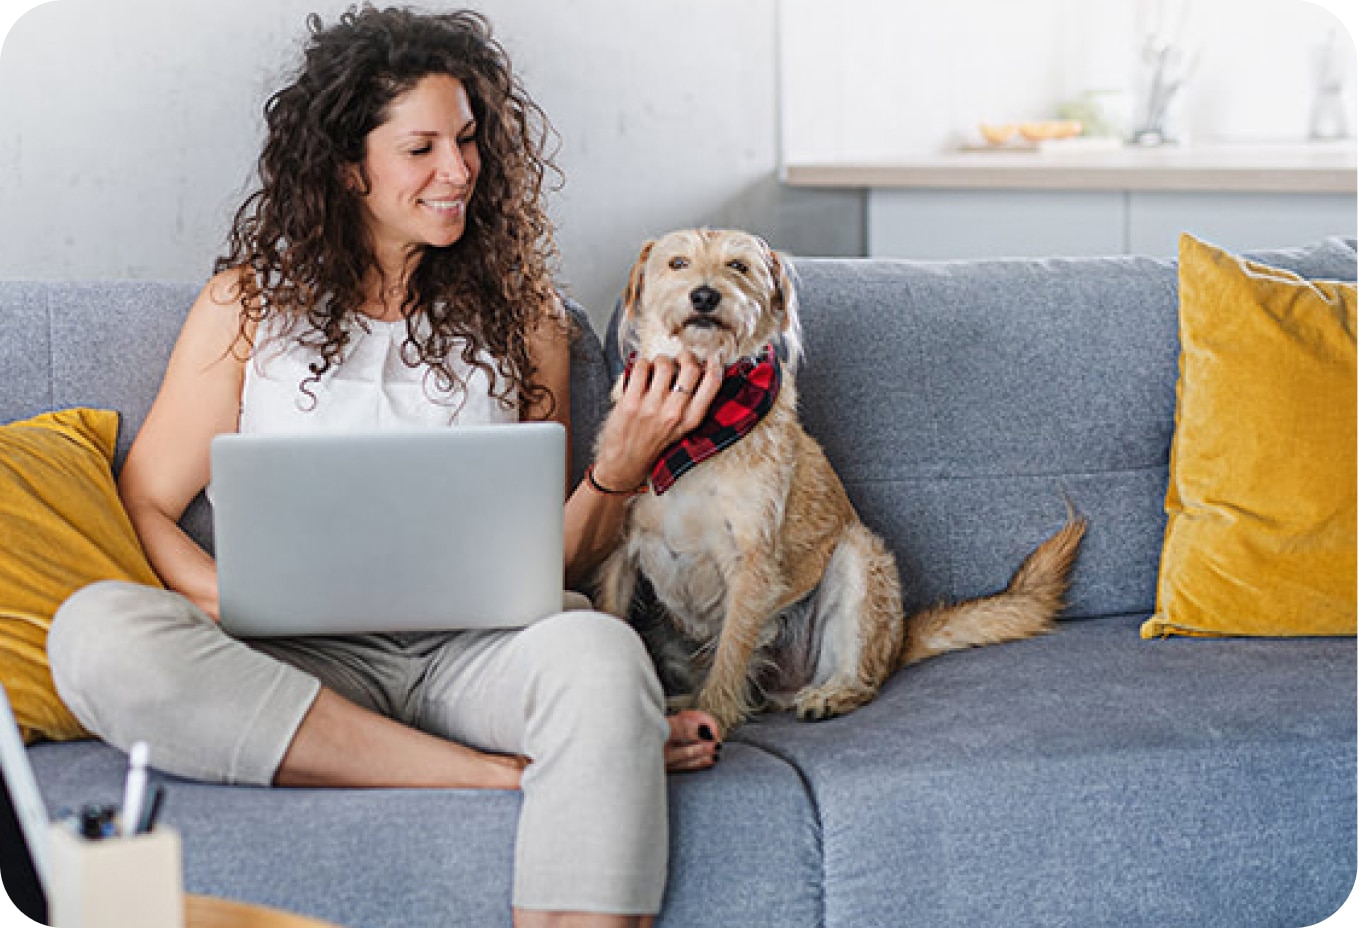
column 770, row 591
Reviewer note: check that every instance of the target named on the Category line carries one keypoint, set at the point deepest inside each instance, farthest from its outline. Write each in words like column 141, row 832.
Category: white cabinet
column 1036, row 223
column 992, row 223
column 1236, row 221
column 1125, row 202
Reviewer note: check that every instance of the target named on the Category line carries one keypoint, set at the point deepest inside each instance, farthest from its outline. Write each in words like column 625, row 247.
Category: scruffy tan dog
column 773, row 591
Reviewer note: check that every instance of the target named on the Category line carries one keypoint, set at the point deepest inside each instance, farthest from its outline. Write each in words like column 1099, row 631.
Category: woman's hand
column 693, row 744
column 502, row 771
column 663, row 400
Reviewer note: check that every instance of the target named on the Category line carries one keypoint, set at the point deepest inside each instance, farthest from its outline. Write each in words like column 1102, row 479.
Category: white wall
column 129, row 128
column 877, row 79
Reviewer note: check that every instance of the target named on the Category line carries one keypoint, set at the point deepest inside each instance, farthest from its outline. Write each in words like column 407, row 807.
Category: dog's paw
column 813, row 704
column 728, row 714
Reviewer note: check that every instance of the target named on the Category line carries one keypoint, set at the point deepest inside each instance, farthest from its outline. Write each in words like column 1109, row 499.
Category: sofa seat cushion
column 744, row 844
column 1092, row 778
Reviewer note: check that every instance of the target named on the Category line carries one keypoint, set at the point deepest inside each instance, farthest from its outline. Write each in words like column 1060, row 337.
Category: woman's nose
column 452, row 166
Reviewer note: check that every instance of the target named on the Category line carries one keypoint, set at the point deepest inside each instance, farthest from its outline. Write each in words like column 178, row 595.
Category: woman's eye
column 738, row 266
column 679, row 264
column 423, row 150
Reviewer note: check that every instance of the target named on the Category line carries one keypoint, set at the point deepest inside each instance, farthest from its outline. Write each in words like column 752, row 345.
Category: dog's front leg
column 616, row 581
column 753, row 596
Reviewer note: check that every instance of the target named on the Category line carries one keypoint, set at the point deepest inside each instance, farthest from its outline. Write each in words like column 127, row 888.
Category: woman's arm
column 647, row 417
column 167, row 465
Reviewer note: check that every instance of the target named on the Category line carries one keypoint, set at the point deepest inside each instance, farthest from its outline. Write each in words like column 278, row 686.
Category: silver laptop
column 393, row 531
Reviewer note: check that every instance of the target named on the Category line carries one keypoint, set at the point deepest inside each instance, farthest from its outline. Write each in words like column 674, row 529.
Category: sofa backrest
column 961, row 402
column 106, row 344
column 964, row 402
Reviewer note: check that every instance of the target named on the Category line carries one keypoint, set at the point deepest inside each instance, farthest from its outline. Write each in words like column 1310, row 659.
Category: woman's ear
column 353, row 179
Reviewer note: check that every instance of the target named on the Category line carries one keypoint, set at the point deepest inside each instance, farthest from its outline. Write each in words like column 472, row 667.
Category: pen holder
column 116, row 882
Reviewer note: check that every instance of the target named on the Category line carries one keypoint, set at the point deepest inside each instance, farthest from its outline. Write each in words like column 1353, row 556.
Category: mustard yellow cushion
column 62, row 526
column 1260, row 538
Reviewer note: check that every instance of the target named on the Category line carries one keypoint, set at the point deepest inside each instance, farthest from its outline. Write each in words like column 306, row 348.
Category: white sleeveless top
column 372, row 387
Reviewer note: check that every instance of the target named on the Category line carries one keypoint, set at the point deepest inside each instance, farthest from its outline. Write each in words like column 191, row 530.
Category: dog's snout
column 704, row 299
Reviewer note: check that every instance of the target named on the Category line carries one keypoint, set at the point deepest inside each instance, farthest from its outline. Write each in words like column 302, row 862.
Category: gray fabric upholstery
column 745, row 851
column 1091, row 778
column 1085, row 778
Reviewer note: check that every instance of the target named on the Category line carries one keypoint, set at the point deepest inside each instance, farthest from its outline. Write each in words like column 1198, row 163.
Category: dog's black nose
column 705, row 299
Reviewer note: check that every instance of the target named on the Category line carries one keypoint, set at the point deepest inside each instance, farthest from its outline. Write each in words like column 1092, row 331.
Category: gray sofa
column 1085, row 778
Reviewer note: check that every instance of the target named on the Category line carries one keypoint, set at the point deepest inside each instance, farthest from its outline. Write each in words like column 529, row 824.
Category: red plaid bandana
column 748, row 392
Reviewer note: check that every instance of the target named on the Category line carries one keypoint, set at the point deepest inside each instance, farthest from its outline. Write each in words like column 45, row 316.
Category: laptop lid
column 392, row 531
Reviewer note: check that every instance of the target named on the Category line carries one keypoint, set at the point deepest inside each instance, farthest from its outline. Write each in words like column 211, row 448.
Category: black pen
column 153, row 810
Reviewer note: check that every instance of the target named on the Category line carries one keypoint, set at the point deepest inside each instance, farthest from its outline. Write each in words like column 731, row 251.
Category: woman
column 394, row 269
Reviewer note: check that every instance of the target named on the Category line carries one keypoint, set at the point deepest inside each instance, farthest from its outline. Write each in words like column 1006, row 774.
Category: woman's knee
column 594, row 661
column 104, row 640
column 590, row 645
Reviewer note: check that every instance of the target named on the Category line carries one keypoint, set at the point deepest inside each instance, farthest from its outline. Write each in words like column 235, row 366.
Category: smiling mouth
column 447, row 208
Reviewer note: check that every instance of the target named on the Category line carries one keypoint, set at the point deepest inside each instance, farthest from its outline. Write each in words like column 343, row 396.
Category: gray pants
column 575, row 693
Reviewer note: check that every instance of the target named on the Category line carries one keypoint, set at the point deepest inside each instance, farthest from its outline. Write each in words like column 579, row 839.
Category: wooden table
column 211, row 912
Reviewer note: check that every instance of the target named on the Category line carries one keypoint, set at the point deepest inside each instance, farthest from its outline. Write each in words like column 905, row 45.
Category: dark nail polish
column 705, row 733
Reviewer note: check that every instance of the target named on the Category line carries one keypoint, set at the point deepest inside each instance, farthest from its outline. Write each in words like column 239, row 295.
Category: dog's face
column 720, row 294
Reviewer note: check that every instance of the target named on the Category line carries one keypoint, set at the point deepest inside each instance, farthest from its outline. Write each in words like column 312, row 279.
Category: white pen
column 134, row 792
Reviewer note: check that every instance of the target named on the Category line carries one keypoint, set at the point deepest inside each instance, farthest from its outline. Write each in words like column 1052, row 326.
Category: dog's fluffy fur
column 771, row 591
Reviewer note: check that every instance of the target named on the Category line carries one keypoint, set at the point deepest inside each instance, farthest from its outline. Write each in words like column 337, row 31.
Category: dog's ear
column 785, row 303
column 626, row 335
column 633, row 292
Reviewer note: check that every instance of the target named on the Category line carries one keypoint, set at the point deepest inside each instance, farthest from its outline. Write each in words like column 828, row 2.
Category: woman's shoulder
column 218, row 322
column 226, row 289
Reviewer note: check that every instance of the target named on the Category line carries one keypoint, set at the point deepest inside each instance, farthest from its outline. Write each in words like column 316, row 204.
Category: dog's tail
column 1026, row 608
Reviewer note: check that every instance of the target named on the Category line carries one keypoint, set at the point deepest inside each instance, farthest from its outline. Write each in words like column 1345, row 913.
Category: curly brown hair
column 303, row 234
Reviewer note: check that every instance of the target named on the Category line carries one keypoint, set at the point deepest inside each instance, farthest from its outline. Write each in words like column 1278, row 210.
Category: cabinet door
column 1236, row 221
column 937, row 224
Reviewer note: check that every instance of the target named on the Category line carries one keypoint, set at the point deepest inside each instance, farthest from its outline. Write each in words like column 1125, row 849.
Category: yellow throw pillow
column 62, row 526
column 1260, row 538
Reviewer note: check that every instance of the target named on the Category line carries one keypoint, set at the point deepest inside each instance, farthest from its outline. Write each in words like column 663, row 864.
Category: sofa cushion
column 1260, row 537
column 962, row 402
column 590, row 385
column 1090, row 778
column 101, row 344
column 744, row 844
column 62, row 527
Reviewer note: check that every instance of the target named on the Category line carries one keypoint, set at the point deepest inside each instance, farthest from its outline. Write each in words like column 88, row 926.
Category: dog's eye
column 738, row 266
column 679, row 264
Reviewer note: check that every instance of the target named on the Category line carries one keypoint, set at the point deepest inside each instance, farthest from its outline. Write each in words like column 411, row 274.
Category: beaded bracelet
column 601, row 488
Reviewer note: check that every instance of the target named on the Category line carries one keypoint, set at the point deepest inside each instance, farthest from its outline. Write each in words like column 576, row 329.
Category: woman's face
column 422, row 166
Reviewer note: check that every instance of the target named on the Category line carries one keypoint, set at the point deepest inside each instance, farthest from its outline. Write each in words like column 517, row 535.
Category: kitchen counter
column 972, row 204
column 1324, row 167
